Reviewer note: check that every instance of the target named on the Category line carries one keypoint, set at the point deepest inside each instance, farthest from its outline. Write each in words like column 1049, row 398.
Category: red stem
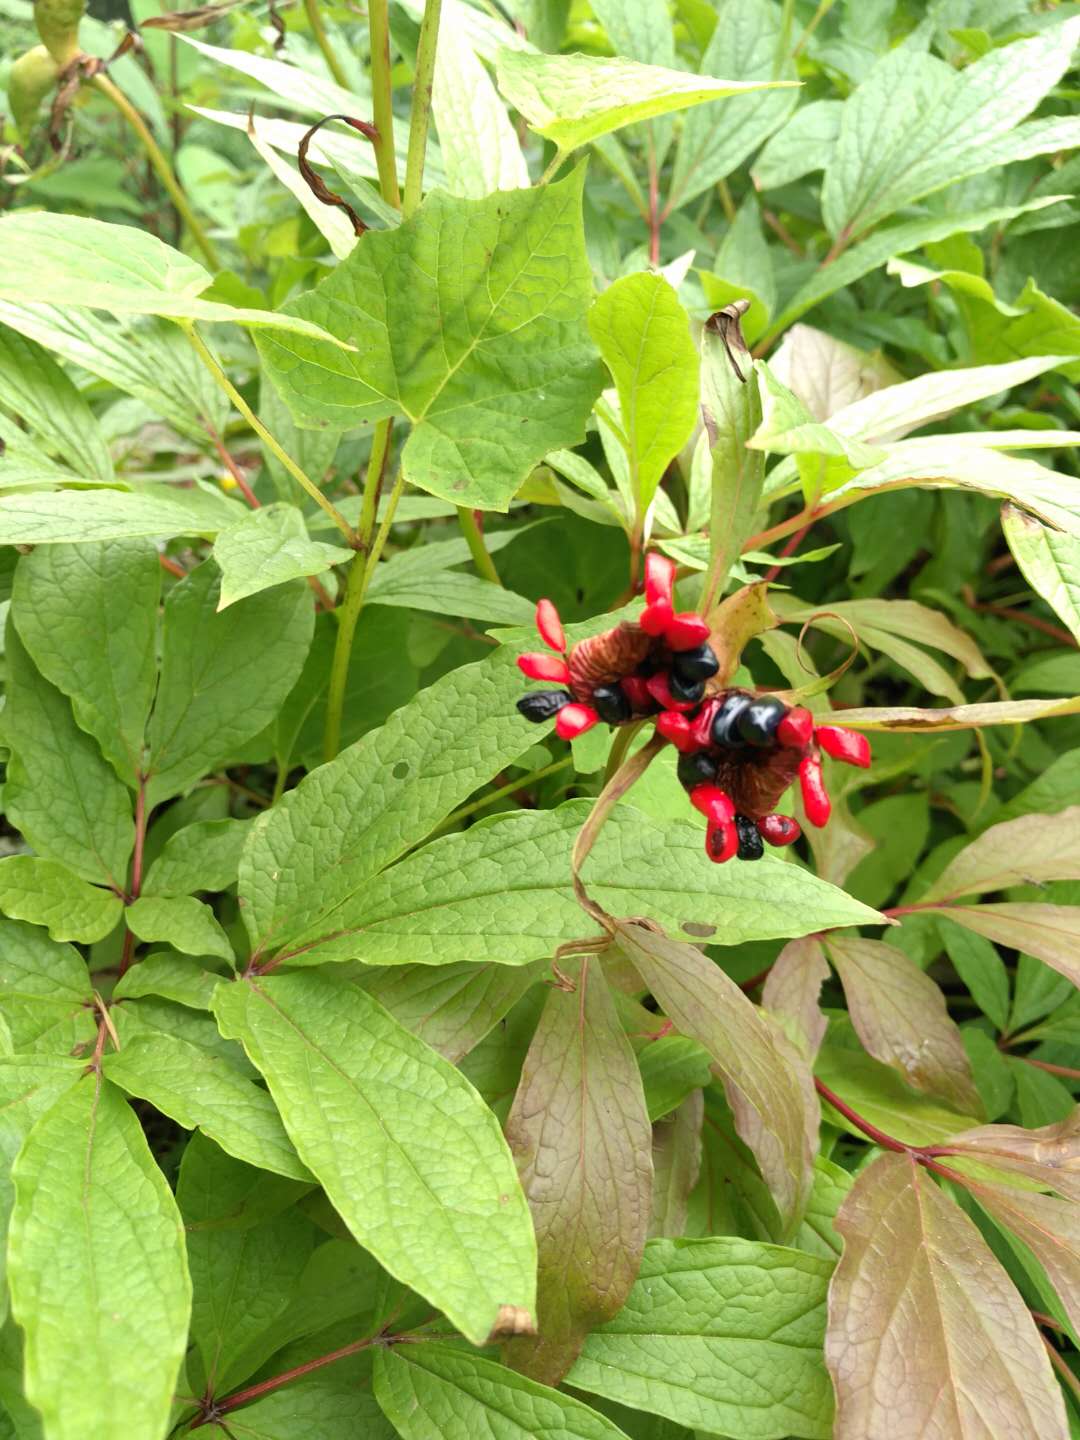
column 172, row 567
column 216, row 1408
column 1064, row 1070
column 654, row 210
column 924, row 1154
column 789, row 549
column 233, row 469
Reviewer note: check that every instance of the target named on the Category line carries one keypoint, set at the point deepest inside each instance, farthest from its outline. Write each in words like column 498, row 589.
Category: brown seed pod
column 607, row 657
column 755, row 779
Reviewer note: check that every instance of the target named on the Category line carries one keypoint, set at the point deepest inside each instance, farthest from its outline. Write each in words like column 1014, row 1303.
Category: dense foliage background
column 326, row 1109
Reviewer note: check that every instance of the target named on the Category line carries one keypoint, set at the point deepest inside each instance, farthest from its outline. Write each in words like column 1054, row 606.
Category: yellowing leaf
column 1025, row 851
column 1049, row 932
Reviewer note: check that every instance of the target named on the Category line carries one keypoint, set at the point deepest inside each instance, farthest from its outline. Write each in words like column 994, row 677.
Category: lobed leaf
column 44, row 892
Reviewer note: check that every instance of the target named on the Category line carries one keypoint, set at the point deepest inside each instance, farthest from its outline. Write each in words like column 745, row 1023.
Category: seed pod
column 611, row 704
column 814, row 795
column 550, row 626
column 574, row 720
column 30, row 80
column 694, row 768
column 57, row 23
column 542, row 705
column 732, row 706
column 538, row 666
column 751, row 846
column 796, row 729
column 846, row 745
column 757, row 724
column 698, row 664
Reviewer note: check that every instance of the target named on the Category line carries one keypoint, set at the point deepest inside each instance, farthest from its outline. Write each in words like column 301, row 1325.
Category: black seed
column 757, row 723
column 611, row 704
column 543, row 704
column 695, row 769
column 699, row 664
column 751, row 845
column 689, row 692
column 647, row 668
column 723, row 726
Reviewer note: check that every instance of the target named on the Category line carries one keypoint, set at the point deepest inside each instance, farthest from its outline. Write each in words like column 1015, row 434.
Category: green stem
column 382, row 101
column 207, row 357
column 525, row 782
column 474, row 538
column 157, row 159
column 554, row 166
column 421, row 106
column 384, row 529
column 318, row 29
column 373, row 482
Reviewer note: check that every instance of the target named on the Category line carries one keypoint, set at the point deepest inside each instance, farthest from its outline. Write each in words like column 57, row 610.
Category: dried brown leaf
column 959, row 717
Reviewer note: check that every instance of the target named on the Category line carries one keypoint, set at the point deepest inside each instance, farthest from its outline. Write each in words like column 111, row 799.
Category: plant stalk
column 382, row 101
column 318, row 29
column 155, row 155
column 209, row 360
column 474, row 538
column 421, row 107
column 348, row 613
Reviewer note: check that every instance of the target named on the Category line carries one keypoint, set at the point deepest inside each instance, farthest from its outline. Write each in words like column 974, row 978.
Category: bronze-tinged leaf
column 182, row 21
column 928, row 1339
column 1049, row 1227
column 901, row 1018
column 1024, row 851
column 1049, row 932
column 767, row 1082
column 793, row 987
column 733, row 624
column 676, row 1166
column 1050, row 1155
column 959, row 717
column 580, row 1134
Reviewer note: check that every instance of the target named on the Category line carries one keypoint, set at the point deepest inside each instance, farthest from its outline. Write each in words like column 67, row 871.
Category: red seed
column 660, row 690
column 636, row 690
column 686, row 631
column 574, row 720
column 846, row 745
column 796, row 728
column 779, row 829
column 715, row 804
column 676, row 728
column 538, row 666
column 659, row 577
column 550, row 626
column 721, row 842
column 656, row 617
column 814, row 795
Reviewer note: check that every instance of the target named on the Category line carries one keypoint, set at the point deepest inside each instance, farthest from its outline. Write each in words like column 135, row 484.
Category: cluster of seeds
column 738, row 752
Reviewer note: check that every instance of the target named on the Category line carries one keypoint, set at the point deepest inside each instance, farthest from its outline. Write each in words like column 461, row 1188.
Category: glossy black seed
column 724, row 721
column 695, row 769
column 543, row 704
column 647, row 668
column 688, row 691
column 751, row 845
column 757, row 723
column 611, row 704
column 699, row 664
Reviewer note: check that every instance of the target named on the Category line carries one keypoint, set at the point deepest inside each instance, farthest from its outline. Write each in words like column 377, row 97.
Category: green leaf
column 900, row 1016
column 45, row 991
column 88, row 615
column 504, row 351
column 873, row 252
column 405, row 1149
column 914, row 1265
column 502, row 891
column 29, row 1086
column 203, row 856
column 766, row 1080
column 176, row 977
column 582, row 1141
column 746, row 42
column 721, row 1335
column 50, row 517
column 1026, row 851
column 98, row 1277
column 643, row 334
column 428, row 1390
column 572, row 99
column 199, row 1091
column 916, row 125
column 1049, row 561
column 60, row 792
column 419, row 579
column 334, row 1405
column 743, row 270
column 44, row 892
column 878, row 1094
column 676, row 1164
column 117, row 268
column 981, row 969
column 36, row 390
column 450, row 1007
column 804, row 144
column 1049, row 932
column 385, row 794
column 267, row 547
column 181, row 921
column 220, row 681
column 730, row 413
column 671, row 1067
